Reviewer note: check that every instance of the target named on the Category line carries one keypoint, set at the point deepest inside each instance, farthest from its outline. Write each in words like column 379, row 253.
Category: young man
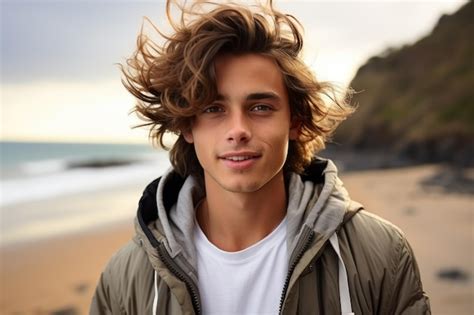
column 248, row 220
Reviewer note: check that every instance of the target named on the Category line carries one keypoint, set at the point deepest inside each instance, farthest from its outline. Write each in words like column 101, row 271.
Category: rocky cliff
column 417, row 101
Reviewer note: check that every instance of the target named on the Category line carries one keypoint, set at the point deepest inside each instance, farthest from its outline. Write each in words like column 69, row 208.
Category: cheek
column 277, row 141
column 196, row 133
column 203, row 144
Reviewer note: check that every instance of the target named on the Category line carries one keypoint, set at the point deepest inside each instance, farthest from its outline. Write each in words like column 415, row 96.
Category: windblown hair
column 174, row 80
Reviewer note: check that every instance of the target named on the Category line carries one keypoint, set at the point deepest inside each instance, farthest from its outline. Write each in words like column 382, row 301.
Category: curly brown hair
column 173, row 81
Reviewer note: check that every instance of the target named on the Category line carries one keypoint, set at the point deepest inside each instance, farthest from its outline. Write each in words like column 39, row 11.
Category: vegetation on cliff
column 417, row 101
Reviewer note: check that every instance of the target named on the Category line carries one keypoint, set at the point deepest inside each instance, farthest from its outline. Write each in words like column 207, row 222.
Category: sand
column 59, row 274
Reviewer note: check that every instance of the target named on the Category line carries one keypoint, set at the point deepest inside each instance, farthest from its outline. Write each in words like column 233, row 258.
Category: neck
column 233, row 221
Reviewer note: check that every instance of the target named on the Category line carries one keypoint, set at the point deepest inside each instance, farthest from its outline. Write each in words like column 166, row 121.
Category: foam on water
column 43, row 167
column 69, row 181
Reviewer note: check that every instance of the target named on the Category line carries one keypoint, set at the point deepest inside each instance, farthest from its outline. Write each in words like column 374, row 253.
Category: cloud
column 81, row 40
column 68, row 40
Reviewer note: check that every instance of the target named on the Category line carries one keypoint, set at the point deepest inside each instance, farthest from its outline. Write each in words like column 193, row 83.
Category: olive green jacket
column 155, row 273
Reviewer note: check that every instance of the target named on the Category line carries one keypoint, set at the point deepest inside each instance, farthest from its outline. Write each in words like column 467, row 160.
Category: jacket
column 155, row 273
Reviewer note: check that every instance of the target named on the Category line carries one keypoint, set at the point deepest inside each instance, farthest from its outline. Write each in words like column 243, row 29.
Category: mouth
column 240, row 160
column 239, row 155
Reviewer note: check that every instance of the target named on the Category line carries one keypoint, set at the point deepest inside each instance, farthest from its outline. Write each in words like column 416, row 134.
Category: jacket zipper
column 306, row 237
column 176, row 270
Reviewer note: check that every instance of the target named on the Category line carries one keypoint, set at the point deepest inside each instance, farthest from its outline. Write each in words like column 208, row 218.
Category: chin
column 242, row 187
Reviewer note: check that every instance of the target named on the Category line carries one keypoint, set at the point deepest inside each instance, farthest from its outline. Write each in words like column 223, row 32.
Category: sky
column 59, row 75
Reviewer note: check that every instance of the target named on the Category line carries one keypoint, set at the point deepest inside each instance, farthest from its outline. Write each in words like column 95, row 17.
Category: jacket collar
column 161, row 197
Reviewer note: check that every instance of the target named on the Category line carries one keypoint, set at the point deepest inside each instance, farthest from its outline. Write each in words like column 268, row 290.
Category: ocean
column 33, row 173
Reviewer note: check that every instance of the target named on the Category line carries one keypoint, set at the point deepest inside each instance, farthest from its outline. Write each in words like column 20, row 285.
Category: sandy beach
column 58, row 275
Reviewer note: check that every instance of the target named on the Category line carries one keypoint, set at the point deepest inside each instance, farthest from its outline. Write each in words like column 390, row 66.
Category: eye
column 213, row 109
column 261, row 108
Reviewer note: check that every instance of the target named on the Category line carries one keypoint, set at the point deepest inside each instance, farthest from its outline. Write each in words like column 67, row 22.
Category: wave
column 51, row 178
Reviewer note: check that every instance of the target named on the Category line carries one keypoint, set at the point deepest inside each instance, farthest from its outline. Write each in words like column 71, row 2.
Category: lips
column 240, row 155
column 240, row 160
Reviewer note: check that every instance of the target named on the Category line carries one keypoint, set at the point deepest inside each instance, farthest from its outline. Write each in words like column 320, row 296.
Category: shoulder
column 372, row 229
column 128, row 260
column 373, row 244
column 378, row 250
column 129, row 269
column 125, row 284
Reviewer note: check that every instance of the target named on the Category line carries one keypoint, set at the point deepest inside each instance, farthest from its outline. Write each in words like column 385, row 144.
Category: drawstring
column 155, row 300
column 344, row 296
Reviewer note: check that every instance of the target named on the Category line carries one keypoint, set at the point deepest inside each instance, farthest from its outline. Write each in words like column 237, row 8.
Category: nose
column 239, row 128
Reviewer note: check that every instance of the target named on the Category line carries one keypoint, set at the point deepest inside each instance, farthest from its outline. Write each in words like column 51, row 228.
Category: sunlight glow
column 57, row 111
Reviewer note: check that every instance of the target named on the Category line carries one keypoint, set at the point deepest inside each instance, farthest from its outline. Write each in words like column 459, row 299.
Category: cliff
column 417, row 101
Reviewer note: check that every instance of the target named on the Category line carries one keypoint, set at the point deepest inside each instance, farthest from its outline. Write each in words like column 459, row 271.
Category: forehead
column 245, row 63
column 248, row 73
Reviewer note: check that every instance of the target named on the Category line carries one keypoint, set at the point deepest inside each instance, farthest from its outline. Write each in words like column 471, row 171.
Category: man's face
column 241, row 139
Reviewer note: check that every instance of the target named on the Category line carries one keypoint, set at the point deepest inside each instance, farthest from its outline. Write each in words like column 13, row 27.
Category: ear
column 188, row 136
column 295, row 129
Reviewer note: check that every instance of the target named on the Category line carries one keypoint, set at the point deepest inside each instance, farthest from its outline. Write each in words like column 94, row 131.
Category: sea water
column 23, row 159
column 34, row 172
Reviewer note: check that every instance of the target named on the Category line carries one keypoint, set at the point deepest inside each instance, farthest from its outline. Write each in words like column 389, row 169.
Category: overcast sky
column 57, row 57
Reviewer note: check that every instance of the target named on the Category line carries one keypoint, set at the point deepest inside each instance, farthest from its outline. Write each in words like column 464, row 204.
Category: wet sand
column 60, row 273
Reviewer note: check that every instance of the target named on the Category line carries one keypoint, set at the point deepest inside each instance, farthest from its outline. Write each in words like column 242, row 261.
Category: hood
column 317, row 201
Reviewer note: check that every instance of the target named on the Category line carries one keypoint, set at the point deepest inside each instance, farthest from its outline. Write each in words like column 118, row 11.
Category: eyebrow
column 254, row 96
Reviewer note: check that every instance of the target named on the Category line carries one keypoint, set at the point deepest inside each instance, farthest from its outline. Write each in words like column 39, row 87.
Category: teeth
column 238, row 158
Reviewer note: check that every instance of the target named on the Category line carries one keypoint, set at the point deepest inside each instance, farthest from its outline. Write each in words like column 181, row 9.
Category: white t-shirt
column 249, row 281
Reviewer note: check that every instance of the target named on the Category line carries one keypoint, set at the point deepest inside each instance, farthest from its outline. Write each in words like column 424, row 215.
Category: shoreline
column 65, row 214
